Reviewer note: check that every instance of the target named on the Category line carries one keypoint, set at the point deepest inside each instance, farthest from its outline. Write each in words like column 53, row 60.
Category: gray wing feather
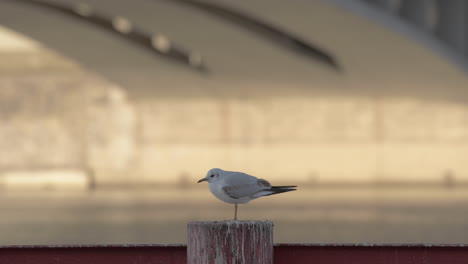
column 246, row 190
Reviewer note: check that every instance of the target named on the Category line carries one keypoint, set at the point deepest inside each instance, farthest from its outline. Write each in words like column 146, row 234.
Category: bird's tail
column 275, row 190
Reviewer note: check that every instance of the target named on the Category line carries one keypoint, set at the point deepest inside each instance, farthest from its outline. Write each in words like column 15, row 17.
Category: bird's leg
column 235, row 212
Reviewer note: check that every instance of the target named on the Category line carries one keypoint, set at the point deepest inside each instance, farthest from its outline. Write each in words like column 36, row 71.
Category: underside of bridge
column 380, row 102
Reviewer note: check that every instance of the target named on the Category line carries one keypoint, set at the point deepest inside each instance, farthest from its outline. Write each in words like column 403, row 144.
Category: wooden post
column 230, row 242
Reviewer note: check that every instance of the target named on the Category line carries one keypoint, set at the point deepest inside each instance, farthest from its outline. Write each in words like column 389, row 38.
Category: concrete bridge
column 161, row 91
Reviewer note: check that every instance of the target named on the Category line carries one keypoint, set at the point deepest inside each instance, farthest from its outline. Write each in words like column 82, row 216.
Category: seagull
column 239, row 188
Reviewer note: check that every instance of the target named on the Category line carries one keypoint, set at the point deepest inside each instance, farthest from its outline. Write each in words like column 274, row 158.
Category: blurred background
column 111, row 110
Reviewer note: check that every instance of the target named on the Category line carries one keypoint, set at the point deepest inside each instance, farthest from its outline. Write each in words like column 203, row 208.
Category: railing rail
column 283, row 253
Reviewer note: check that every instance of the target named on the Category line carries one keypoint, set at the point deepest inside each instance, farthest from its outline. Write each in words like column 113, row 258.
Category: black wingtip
column 283, row 187
column 280, row 190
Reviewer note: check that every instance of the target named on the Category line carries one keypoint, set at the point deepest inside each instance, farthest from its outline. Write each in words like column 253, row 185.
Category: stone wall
column 353, row 139
column 55, row 115
column 51, row 119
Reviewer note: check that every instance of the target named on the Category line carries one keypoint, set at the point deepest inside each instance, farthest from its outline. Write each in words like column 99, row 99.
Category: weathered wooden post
column 230, row 242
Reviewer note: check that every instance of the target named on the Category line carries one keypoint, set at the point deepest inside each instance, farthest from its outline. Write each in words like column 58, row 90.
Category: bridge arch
column 395, row 101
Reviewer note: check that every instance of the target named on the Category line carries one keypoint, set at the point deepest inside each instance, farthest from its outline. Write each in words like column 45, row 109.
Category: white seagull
column 240, row 188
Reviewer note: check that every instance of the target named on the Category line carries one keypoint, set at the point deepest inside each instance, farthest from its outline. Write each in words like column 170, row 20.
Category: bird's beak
column 202, row 180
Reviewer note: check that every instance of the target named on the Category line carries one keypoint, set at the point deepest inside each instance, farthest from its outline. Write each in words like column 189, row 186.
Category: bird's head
column 212, row 175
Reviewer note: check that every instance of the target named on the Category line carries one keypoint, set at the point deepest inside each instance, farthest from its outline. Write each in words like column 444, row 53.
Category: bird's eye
column 212, row 176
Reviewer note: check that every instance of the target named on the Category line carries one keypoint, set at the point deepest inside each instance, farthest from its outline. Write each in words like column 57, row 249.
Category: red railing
column 283, row 253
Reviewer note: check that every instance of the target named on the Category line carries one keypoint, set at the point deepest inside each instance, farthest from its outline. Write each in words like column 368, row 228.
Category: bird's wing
column 242, row 190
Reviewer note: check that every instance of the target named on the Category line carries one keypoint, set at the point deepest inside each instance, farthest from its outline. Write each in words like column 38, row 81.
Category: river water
column 309, row 215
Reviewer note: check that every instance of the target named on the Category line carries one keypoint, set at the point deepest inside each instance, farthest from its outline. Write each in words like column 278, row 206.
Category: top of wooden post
column 230, row 241
column 232, row 222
